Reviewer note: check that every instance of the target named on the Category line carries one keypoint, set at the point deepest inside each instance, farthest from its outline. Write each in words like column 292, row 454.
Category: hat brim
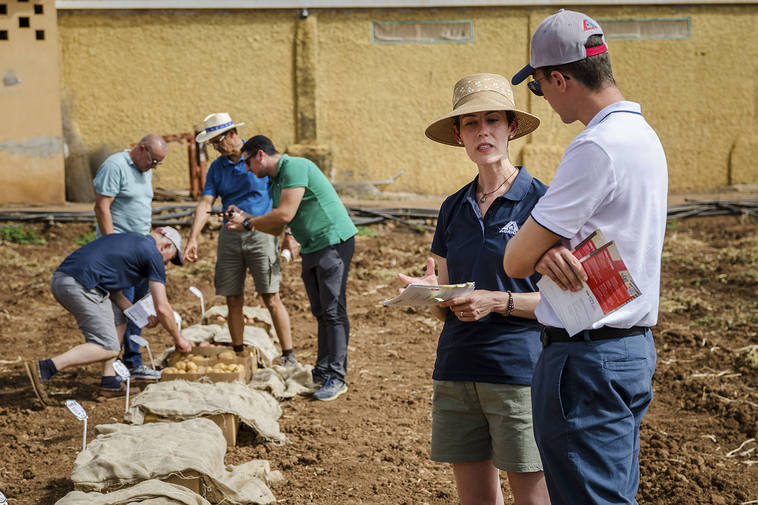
column 442, row 129
column 177, row 259
column 206, row 135
column 522, row 74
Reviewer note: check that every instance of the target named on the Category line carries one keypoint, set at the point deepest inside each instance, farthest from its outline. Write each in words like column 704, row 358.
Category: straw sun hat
column 480, row 93
column 214, row 125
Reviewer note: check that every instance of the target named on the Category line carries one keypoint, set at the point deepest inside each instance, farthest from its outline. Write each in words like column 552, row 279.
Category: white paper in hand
column 141, row 310
column 423, row 294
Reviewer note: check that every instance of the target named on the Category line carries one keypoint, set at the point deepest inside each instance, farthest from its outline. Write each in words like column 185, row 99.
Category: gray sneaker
column 142, row 372
column 331, row 389
column 288, row 360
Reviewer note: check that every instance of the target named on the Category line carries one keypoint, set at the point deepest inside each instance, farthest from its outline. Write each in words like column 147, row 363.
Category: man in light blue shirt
column 123, row 204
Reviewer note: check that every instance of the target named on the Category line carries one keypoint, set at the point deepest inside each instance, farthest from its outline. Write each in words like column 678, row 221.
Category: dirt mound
column 372, row 445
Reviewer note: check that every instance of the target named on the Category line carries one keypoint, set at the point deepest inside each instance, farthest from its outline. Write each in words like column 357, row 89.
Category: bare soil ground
column 371, row 445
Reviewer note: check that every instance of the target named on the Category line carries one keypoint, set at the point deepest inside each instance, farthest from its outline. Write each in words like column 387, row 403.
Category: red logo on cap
column 589, row 25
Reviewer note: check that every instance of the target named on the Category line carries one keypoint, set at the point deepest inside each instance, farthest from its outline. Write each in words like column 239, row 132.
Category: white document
column 141, row 310
column 609, row 286
column 424, row 295
column 577, row 310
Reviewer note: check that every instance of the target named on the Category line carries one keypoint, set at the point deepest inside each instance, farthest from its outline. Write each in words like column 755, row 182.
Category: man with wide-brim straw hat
column 216, row 125
column 239, row 251
column 489, row 344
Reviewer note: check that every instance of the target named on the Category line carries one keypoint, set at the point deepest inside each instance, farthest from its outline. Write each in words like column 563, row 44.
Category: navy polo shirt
column 495, row 348
column 114, row 262
column 236, row 186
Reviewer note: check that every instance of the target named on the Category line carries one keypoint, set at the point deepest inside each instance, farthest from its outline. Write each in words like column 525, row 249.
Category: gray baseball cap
column 560, row 39
column 176, row 239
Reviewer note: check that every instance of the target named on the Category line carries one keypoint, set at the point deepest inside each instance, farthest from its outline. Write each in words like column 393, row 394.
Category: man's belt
column 551, row 334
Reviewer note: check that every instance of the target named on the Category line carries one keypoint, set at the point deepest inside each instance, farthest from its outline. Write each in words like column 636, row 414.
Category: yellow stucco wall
column 126, row 73
column 31, row 143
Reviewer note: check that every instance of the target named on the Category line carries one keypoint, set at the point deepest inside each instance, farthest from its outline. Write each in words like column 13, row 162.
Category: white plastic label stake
column 199, row 294
column 286, row 254
column 178, row 320
column 137, row 339
column 81, row 415
column 3, row 501
column 123, row 372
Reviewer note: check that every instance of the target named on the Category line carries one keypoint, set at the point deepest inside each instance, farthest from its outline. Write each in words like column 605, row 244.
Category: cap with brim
column 480, row 93
column 176, row 239
column 560, row 39
column 214, row 125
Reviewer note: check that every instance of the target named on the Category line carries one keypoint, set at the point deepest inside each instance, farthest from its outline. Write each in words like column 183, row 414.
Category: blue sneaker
column 331, row 389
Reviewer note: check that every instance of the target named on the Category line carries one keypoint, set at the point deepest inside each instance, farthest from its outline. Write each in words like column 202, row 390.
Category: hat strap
column 218, row 127
column 592, row 51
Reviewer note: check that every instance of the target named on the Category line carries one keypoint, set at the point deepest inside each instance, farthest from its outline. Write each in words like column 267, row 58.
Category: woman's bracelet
column 509, row 310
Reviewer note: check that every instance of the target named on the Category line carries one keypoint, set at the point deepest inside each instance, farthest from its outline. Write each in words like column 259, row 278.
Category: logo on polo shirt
column 511, row 228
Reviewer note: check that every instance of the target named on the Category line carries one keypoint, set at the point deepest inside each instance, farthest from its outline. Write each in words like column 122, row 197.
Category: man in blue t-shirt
column 89, row 284
column 239, row 251
column 123, row 204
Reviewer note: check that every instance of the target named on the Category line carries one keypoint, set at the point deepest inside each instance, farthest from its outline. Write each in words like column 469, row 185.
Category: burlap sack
column 180, row 399
column 256, row 316
column 251, row 337
column 285, row 382
column 201, row 332
column 123, row 455
column 149, row 492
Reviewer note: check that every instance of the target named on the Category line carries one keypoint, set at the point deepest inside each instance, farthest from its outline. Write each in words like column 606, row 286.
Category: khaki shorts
column 96, row 315
column 476, row 421
column 240, row 251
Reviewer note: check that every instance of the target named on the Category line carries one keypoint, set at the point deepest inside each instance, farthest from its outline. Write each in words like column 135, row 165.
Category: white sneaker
column 142, row 372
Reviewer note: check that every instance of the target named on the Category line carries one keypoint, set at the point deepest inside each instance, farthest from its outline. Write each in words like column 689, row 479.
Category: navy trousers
column 325, row 277
column 588, row 399
column 131, row 356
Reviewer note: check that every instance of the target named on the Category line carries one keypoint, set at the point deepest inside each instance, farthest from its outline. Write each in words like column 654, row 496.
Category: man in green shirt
column 304, row 200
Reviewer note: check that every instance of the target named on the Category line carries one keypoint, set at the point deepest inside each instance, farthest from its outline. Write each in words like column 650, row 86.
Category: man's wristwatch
column 247, row 223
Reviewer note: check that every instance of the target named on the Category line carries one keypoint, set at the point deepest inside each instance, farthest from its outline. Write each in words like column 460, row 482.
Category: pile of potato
column 197, row 365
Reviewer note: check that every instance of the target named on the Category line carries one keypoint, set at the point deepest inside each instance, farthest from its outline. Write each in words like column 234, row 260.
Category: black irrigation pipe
column 171, row 215
column 384, row 215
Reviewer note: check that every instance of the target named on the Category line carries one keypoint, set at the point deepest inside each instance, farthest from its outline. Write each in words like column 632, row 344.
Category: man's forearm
column 201, row 217
column 273, row 223
column 166, row 318
column 104, row 220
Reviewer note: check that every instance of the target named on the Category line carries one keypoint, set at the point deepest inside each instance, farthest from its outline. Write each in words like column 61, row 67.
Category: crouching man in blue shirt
column 89, row 283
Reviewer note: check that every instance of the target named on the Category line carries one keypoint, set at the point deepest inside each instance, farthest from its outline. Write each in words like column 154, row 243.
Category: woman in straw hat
column 482, row 417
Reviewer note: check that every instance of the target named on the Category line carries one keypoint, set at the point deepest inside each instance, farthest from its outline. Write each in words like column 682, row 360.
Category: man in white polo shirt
column 590, row 391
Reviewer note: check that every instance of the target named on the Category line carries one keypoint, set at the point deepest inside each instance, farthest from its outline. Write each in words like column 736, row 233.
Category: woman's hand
column 234, row 217
column 429, row 278
column 472, row 306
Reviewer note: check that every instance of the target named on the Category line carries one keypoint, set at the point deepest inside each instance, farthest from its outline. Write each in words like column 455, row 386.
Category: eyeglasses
column 153, row 163
column 216, row 142
column 535, row 86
